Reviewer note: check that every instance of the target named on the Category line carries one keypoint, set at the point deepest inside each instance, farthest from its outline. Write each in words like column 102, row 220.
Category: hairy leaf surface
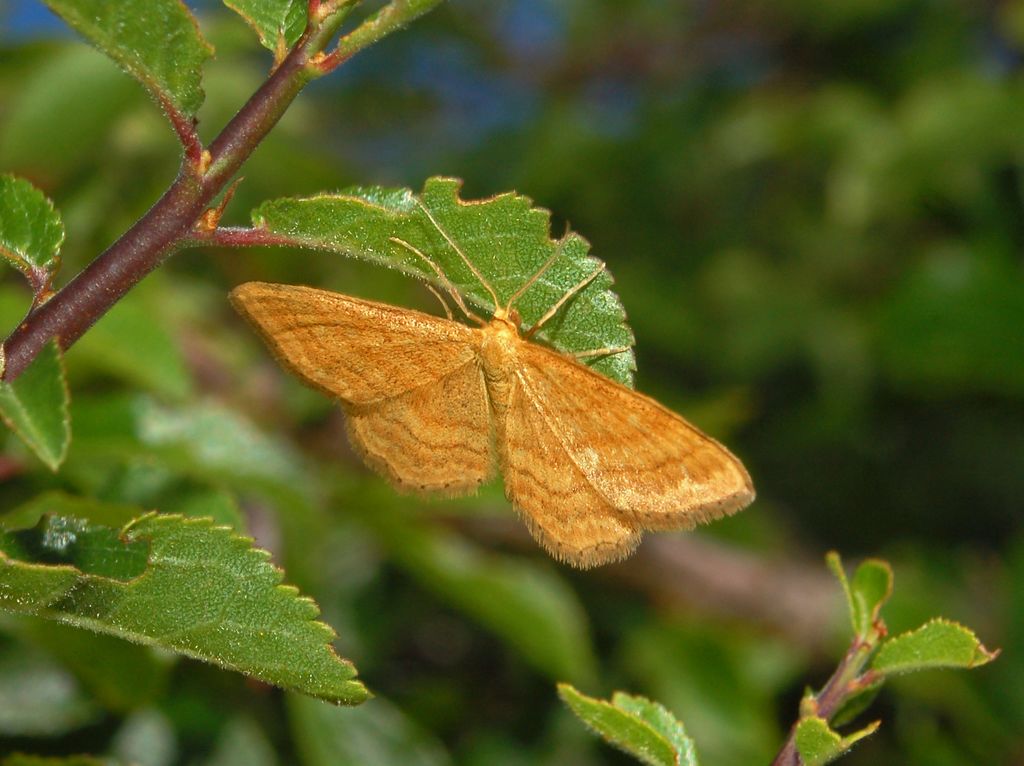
column 505, row 238
column 31, row 231
column 936, row 644
column 819, row 744
column 279, row 23
column 635, row 725
column 180, row 584
column 156, row 41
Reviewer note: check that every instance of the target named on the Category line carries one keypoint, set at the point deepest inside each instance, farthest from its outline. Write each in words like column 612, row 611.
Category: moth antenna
column 462, row 255
column 529, row 282
column 601, row 352
column 561, row 301
column 444, row 303
column 440, row 275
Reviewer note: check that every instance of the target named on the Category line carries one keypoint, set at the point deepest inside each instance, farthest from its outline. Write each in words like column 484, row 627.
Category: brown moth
column 436, row 405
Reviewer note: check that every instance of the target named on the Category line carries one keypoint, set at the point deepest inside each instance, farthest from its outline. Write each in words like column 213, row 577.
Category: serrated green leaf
column 35, row 407
column 31, row 231
column 630, row 729
column 279, row 23
column 38, row 698
column 156, row 41
column 936, row 644
column 505, row 238
column 180, row 584
column 374, row 734
column 818, row 744
column 662, row 721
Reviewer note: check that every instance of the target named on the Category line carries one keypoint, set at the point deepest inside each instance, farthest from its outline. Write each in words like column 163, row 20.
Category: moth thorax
column 498, row 360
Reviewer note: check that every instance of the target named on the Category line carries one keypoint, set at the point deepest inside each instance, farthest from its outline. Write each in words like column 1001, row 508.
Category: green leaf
column 506, row 239
column 635, row 725
column 662, row 721
column 180, row 584
column 374, row 734
column 866, row 593
column 279, row 23
column 818, row 744
column 156, row 41
column 38, row 698
column 31, row 232
column 936, row 644
column 35, row 406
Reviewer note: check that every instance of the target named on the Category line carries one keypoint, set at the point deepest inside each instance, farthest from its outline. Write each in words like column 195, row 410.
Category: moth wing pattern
column 408, row 381
column 653, row 467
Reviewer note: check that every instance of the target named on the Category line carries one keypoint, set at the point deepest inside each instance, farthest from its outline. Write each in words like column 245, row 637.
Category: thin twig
column 844, row 682
column 161, row 231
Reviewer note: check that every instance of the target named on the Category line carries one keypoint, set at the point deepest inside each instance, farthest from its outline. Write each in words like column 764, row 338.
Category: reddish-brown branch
column 844, row 682
column 172, row 220
column 73, row 309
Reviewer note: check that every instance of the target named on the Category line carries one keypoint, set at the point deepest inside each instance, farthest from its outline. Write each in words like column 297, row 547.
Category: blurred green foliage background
column 813, row 212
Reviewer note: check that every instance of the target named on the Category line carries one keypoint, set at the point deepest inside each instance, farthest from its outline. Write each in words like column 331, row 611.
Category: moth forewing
column 589, row 463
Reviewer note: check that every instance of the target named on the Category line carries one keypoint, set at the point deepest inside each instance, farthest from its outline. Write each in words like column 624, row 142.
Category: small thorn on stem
column 210, row 219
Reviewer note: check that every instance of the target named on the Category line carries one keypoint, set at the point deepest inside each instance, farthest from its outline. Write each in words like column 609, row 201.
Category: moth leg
column 608, row 351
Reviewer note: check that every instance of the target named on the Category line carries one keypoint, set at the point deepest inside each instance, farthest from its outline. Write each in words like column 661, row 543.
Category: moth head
column 506, row 321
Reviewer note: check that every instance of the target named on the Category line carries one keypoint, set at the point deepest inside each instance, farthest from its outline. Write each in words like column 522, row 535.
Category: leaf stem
column 185, row 128
column 844, row 681
column 238, row 236
column 391, row 17
column 171, row 222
